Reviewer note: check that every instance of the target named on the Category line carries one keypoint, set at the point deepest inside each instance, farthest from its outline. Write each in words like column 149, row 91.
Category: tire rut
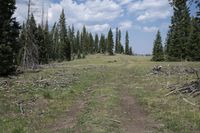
column 134, row 118
column 69, row 119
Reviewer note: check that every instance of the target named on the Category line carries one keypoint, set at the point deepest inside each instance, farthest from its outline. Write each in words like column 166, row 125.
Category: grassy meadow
column 90, row 96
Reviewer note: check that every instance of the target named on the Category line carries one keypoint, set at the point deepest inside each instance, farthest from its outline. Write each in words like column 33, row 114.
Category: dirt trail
column 69, row 119
column 134, row 118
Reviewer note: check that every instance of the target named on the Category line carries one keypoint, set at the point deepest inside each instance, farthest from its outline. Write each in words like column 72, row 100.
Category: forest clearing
column 98, row 94
column 99, row 66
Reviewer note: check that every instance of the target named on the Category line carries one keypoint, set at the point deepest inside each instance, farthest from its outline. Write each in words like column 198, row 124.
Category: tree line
column 183, row 38
column 31, row 44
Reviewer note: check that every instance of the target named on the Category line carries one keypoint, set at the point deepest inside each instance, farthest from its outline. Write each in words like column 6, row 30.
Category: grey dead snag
column 30, row 55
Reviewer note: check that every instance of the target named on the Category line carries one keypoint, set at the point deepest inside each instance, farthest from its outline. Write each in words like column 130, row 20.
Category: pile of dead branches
column 157, row 70
column 192, row 88
column 173, row 70
column 57, row 80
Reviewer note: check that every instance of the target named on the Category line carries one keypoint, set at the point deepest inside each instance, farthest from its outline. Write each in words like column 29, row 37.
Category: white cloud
column 164, row 26
column 20, row 13
column 153, row 15
column 125, row 25
column 85, row 12
column 147, row 4
column 150, row 9
column 98, row 27
column 99, row 15
column 54, row 13
column 90, row 11
column 36, row 9
column 150, row 29
column 124, row 2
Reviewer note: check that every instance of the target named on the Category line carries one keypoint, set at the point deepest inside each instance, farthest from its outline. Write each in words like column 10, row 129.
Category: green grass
column 50, row 100
column 97, row 80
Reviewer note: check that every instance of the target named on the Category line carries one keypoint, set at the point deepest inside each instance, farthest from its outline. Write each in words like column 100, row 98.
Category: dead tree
column 31, row 54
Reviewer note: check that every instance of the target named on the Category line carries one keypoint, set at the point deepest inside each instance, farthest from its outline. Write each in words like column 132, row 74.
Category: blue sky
column 142, row 18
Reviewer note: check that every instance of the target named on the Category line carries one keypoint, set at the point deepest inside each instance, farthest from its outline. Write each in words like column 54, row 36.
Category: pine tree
column 84, row 40
column 130, row 51
column 71, row 37
column 52, row 42
column 168, row 45
column 106, row 45
column 64, row 42
column 81, row 42
column 158, row 54
column 96, row 43
column 47, row 44
column 55, row 41
column 110, row 43
column 22, row 38
column 194, row 42
column 91, row 44
column 102, row 44
column 127, row 44
column 120, row 47
column 179, row 31
column 195, row 30
column 78, row 44
column 44, row 44
column 9, row 45
column 41, row 45
column 117, row 41
column 122, row 51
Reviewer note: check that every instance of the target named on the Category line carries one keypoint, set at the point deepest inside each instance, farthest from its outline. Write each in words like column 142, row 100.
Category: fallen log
column 193, row 89
column 171, row 92
column 116, row 121
column 196, row 94
column 189, row 102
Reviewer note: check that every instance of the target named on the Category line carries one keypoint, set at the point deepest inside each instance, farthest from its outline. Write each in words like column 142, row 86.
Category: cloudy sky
column 142, row 18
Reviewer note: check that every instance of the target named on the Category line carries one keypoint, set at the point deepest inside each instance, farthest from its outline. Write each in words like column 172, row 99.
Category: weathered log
column 196, row 94
column 189, row 102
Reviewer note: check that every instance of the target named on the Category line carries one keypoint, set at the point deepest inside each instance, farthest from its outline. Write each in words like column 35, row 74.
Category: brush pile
column 192, row 88
column 172, row 70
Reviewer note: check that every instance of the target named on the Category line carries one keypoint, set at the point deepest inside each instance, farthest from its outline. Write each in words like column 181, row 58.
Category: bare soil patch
column 134, row 118
column 69, row 119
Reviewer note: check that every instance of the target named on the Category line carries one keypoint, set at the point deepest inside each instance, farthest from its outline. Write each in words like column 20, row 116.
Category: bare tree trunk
column 31, row 53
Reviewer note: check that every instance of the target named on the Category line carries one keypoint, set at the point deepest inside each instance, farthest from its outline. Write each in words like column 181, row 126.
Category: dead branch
column 189, row 102
column 192, row 88
column 20, row 104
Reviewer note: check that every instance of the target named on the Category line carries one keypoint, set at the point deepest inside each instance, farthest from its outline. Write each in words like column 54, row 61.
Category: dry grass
column 45, row 96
